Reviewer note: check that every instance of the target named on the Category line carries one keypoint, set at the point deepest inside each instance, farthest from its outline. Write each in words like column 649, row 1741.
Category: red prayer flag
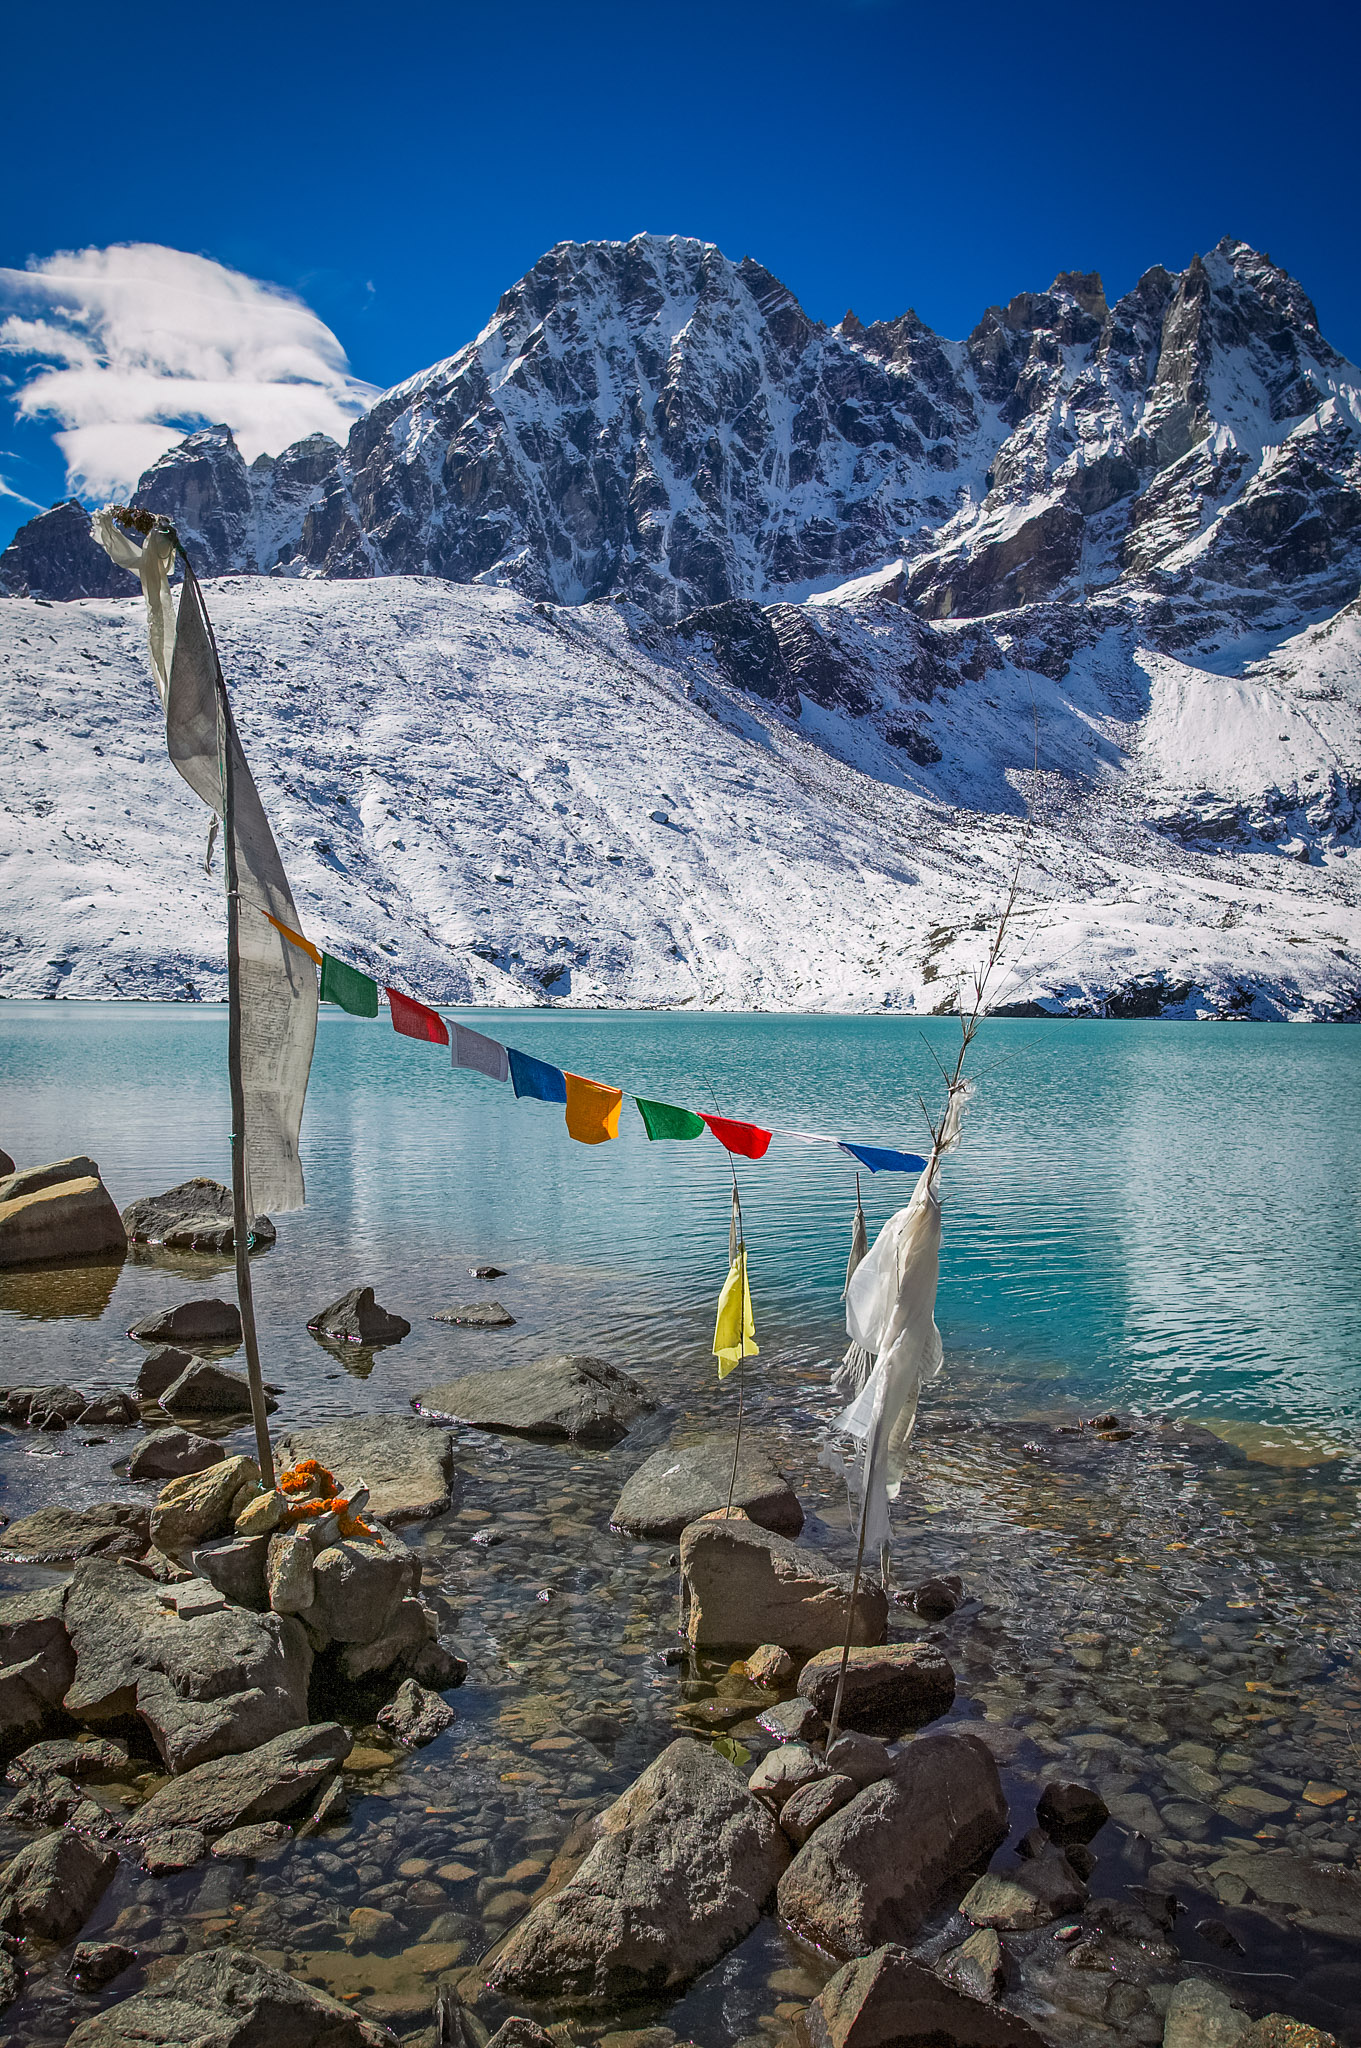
column 749, row 1140
column 413, row 1019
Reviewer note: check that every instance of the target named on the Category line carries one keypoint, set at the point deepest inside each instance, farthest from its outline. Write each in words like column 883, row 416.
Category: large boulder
column 683, row 1864
column 198, row 1506
column 160, row 1369
column 885, row 2000
column 357, row 1319
column 258, row 1784
column 209, row 1685
column 680, row 1484
column 194, row 1324
column 52, row 1535
column 174, row 1454
column 58, row 1212
column 229, row 1998
column 874, row 1870
column 584, row 1400
column 356, row 1587
column 889, row 1689
column 52, row 1886
column 746, row 1586
column 406, row 1465
column 207, row 1388
column 36, row 1660
column 194, row 1217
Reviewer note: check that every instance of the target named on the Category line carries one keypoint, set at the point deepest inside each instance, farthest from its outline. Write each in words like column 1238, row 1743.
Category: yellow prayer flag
column 735, row 1331
column 592, row 1110
column 296, row 939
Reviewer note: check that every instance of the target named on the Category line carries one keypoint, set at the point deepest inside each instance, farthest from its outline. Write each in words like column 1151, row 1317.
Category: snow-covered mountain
column 752, row 653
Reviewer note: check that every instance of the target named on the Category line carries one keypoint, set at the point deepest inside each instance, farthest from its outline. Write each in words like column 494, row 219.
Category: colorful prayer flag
column 880, row 1161
column 481, row 1055
column 735, row 1330
column 592, row 1110
column 414, row 1020
column 664, row 1120
column 748, row 1140
column 296, row 939
column 535, row 1077
column 354, row 991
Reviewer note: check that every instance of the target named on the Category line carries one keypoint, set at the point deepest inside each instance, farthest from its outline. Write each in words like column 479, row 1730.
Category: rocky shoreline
column 1099, row 1784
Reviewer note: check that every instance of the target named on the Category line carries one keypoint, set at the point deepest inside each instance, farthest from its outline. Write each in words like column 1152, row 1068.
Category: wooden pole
column 835, row 1722
column 241, row 1219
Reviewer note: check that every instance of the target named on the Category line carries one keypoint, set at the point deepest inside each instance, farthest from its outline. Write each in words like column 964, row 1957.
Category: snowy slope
column 493, row 800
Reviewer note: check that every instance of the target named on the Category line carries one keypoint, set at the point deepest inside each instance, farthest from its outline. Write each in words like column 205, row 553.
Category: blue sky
column 398, row 168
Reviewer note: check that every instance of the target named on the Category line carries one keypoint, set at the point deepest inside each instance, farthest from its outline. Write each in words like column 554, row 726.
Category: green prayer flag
column 348, row 987
column 662, row 1120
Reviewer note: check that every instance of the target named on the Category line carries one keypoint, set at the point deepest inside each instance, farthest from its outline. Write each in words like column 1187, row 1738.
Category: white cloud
column 135, row 346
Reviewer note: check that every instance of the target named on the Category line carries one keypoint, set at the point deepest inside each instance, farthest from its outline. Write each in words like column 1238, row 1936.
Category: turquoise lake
column 1164, row 1216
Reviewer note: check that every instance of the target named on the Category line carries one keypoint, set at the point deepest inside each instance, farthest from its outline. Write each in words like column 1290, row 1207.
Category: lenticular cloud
column 135, row 346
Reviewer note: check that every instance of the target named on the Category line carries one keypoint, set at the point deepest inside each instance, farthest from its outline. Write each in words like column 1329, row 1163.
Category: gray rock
column 30, row 1404
column 260, row 1842
column 236, row 1567
column 805, row 1810
column 405, row 1464
column 108, row 1408
column 61, row 1212
column 1070, row 1812
column 114, row 1529
column 523, row 2033
column 357, row 1319
column 746, row 1586
column 357, row 1586
column 1044, row 1888
column 407, row 1643
column 36, row 1660
column 97, row 1963
column 207, row 1687
column 91, row 1757
column 160, row 1369
column 872, row 1872
column 174, row 1454
column 934, row 1599
column 678, row 1485
column 171, row 1849
column 229, row 1998
column 890, row 1689
column 975, row 1967
column 633, row 1920
column 196, row 1216
column 476, row 1315
column 198, row 1507
column 289, row 1575
column 578, row 1398
column 415, row 1715
column 861, row 1759
column 193, row 1325
column 206, row 1388
column 1326, row 1898
column 885, row 2000
column 52, row 1887
column 793, row 1721
column 786, row 1770
column 1201, row 2015
column 231, row 1791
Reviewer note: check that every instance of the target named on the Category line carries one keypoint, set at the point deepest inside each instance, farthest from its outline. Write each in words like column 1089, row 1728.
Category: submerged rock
column 194, row 1217
column 174, row 1454
column 872, row 1872
column 97, row 1963
column 578, row 1398
column 58, row 1212
column 476, row 1315
column 1045, row 1888
column 415, row 1715
column 229, row 1998
column 254, row 1785
column 35, row 1407
column 680, row 1484
column 934, row 1599
column 52, row 1886
column 114, row 1529
column 209, row 1686
column 1071, row 1812
column 406, row 1465
column 216, row 1324
column 747, row 1586
column 357, row 1319
column 885, row 1998
column 888, row 1689
column 682, row 1866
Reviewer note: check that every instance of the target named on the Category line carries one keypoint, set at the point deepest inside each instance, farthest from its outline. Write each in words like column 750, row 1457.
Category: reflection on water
column 48, row 1293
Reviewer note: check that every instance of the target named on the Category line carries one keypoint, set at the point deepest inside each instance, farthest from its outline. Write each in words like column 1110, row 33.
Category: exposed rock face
column 679, row 1484
column 56, row 1213
column 885, row 1998
column 228, row 1998
column 211, row 1323
column 57, row 556
column 52, row 1887
column 196, row 1216
column 745, row 1586
column 682, row 1866
column 871, row 1873
column 583, row 1399
column 257, row 1784
column 212, row 1686
column 119, row 1529
column 888, row 1690
column 405, row 1464
column 357, row 1319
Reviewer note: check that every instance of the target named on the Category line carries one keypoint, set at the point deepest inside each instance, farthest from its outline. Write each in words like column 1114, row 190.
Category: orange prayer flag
column 296, row 939
column 592, row 1110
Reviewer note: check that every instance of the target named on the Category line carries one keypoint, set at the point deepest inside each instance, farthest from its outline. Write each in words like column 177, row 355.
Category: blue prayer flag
column 880, row 1161
column 535, row 1077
